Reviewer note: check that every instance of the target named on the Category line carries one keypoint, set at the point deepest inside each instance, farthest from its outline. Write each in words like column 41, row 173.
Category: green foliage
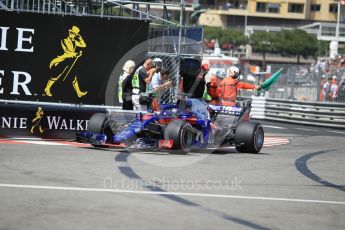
column 263, row 41
column 287, row 42
column 232, row 36
column 341, row 49
column 323, row 48
column 297, row 42
column 212, row 33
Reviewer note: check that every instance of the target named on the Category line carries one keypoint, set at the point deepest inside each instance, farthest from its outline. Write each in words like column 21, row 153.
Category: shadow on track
column 129, row 172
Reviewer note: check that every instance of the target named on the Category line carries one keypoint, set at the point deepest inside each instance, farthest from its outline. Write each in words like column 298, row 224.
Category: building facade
column 282, row 13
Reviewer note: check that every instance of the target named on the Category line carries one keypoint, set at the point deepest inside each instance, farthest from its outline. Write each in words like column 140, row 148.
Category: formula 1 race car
column 188, row 124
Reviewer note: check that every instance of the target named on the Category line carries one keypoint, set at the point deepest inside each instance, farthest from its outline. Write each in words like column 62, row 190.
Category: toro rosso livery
column 188, row 124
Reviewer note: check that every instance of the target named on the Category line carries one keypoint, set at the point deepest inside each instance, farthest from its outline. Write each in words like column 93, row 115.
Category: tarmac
column 296, row 182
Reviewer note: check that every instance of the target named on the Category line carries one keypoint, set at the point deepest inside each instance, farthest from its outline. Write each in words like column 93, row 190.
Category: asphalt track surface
column 297, row 182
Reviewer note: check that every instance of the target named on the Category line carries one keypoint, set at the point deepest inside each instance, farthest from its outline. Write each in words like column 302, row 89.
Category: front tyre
column 249, row 137
column 182, row 135
column 99, row 124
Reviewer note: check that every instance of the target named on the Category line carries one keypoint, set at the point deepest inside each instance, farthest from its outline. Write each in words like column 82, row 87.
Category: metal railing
column 39, row 6
column 307, row 113
column 102, row 8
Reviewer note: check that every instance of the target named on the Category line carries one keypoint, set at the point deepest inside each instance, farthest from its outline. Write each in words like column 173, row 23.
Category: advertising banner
column 55, row 58
column 43, row 120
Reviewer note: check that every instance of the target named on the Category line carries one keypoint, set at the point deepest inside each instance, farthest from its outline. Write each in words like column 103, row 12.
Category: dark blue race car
column 188, row 124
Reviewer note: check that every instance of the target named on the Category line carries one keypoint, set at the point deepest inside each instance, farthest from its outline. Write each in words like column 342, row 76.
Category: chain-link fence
column 170, row 44
column 302, row 82
column 171, row 62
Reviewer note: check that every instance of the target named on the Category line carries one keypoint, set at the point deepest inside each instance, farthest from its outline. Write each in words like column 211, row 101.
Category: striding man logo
column 62, row 65
column 37, row 120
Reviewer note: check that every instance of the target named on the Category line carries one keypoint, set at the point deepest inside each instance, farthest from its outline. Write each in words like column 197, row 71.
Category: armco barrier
column 258, row 107
column 301, row 112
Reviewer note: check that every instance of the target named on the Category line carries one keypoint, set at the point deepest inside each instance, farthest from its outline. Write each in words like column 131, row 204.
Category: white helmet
column 158, row 62
column 233, row 71
column 220, row 74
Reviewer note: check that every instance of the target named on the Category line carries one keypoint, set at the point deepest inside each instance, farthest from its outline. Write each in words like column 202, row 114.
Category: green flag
column 267, row 84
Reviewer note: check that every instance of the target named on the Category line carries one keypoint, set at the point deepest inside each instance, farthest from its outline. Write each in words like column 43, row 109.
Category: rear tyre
column 182, row 135
column 249, row 137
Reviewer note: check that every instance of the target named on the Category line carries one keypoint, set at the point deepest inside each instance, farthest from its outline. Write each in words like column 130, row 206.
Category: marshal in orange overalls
column 228, row 90
column 213, row 90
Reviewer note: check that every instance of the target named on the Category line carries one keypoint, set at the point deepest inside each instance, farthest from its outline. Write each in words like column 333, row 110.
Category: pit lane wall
column 299, row 112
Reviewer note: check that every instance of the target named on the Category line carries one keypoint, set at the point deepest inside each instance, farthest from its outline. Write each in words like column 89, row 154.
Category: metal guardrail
column 39, row 6
column 100, row 8
column 301, row 112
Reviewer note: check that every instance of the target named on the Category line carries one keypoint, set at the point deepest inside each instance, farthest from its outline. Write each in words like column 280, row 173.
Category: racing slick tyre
column 182, row 135
column 99, row 123
column 249, row 137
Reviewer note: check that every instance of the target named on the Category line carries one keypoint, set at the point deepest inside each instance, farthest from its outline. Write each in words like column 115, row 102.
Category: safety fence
column 307, row 83
column 171, row 62
column 301, row 112
column 41, row 6
column 171, row 45
column 103, row 8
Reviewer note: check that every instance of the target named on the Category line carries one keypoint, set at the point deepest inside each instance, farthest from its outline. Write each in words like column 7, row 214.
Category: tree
column 229, row 37
column 323, row 48
column 263, row 42
column 212, row 33
column 297, row 42
column 234, row 37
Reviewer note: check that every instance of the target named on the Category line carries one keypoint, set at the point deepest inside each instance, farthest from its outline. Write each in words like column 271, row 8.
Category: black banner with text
column 45, row 121
column 56, row 58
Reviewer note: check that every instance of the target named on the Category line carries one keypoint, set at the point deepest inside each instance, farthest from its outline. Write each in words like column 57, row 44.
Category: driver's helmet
column 234, row 72
column 158, row 63
column 205, row 68
column 220, row 74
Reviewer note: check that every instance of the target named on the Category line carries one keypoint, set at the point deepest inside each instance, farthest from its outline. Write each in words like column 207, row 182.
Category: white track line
column 331, row 131
column 169, row 193
column 303, row 129
column 274, row 127
column 43, row 142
